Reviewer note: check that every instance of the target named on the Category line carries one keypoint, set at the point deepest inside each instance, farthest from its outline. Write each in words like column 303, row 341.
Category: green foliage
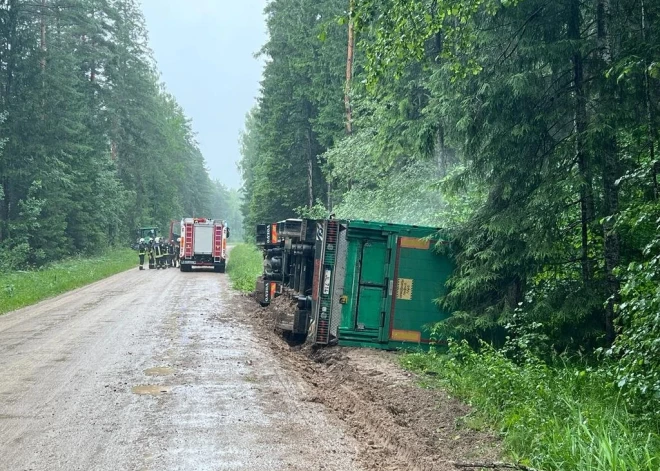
column 399, row 33
column 637, row 348
column 486, row 91
column 527, row 129
column 245, row 264
column 92, row 145
column 377, row 174
column 553, row 416
column 300, row 111
column 318, row 211
column 23, row 288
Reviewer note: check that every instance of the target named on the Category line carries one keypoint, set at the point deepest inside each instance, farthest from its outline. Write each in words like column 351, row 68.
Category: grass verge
column 23, row 288
column 245, row 265
column 563, row 417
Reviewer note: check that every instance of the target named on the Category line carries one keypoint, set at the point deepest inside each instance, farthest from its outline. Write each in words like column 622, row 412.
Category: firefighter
column 158, row 253
column 164, row 253
column 142, row 251
column 170, row 254
column 177, row 253
column 150, row 251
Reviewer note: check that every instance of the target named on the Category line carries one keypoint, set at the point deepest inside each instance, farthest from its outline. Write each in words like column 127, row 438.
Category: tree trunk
column 4, row 211
column 441, row 161
column 11, row 50
column 610, row 236
column 349, row 69
column 580, row 128
column 310, row 169
column 6, row 163
column 92, row 73
column 650, row 112
column 445, row 156
column 610, row 172
column 42, row 44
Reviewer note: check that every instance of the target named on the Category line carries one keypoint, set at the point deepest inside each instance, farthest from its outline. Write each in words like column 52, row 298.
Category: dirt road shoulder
column 399, row 424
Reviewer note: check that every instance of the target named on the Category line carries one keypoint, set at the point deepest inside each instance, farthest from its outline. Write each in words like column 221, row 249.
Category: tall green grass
column 560, row 417
column 244, row 266
column 23, row 288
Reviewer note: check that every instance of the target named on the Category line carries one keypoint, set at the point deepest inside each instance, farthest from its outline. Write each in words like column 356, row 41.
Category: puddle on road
column 151, row 389
column 159, row 371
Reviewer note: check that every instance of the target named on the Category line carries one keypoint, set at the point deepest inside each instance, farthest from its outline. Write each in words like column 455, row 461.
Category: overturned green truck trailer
column 360, row 283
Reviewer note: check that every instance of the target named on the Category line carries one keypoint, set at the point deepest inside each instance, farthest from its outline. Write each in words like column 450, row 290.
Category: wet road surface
column 155, row 370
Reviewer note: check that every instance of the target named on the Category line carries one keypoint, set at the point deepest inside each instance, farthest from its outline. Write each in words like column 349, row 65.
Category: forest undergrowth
column 553, row 413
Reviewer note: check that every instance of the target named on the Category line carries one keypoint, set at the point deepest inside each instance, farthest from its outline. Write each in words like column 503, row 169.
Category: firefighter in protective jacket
column 142, row 251
column 165, row 252
column 177, row 253
column 152, row 261
column 158, row 253
column 170, row 254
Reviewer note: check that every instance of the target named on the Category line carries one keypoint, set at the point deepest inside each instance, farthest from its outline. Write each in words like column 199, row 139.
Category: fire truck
column 203, row 244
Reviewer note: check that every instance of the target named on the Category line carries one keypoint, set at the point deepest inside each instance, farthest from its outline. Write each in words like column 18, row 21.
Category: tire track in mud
column 398, row 425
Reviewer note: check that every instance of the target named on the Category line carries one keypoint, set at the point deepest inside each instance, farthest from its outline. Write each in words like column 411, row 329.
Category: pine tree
column 94, row 145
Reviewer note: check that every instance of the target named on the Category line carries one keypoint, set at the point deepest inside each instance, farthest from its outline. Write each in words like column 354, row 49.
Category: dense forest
column 528, row 128
column 92, row 145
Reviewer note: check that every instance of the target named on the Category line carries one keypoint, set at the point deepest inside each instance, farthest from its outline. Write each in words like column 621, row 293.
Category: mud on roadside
column 399, row 425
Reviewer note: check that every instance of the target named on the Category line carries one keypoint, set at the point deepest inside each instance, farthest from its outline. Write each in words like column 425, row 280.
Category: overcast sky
column 205, row 52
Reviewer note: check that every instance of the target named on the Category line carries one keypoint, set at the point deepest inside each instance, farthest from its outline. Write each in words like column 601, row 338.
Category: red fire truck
column 203, row 244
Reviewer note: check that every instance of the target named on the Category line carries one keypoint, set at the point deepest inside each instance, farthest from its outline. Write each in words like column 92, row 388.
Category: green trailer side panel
column 420, row 279
column 372, row 290
column 373, row 262
column 349, row 308
column 370, row 308
column 393, row 275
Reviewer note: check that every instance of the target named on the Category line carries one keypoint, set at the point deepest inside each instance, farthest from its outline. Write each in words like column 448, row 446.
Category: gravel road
column 155, row 370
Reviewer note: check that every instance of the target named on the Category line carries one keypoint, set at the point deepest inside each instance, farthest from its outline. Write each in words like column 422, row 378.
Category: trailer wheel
column 219, row 268
column 185, row 268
